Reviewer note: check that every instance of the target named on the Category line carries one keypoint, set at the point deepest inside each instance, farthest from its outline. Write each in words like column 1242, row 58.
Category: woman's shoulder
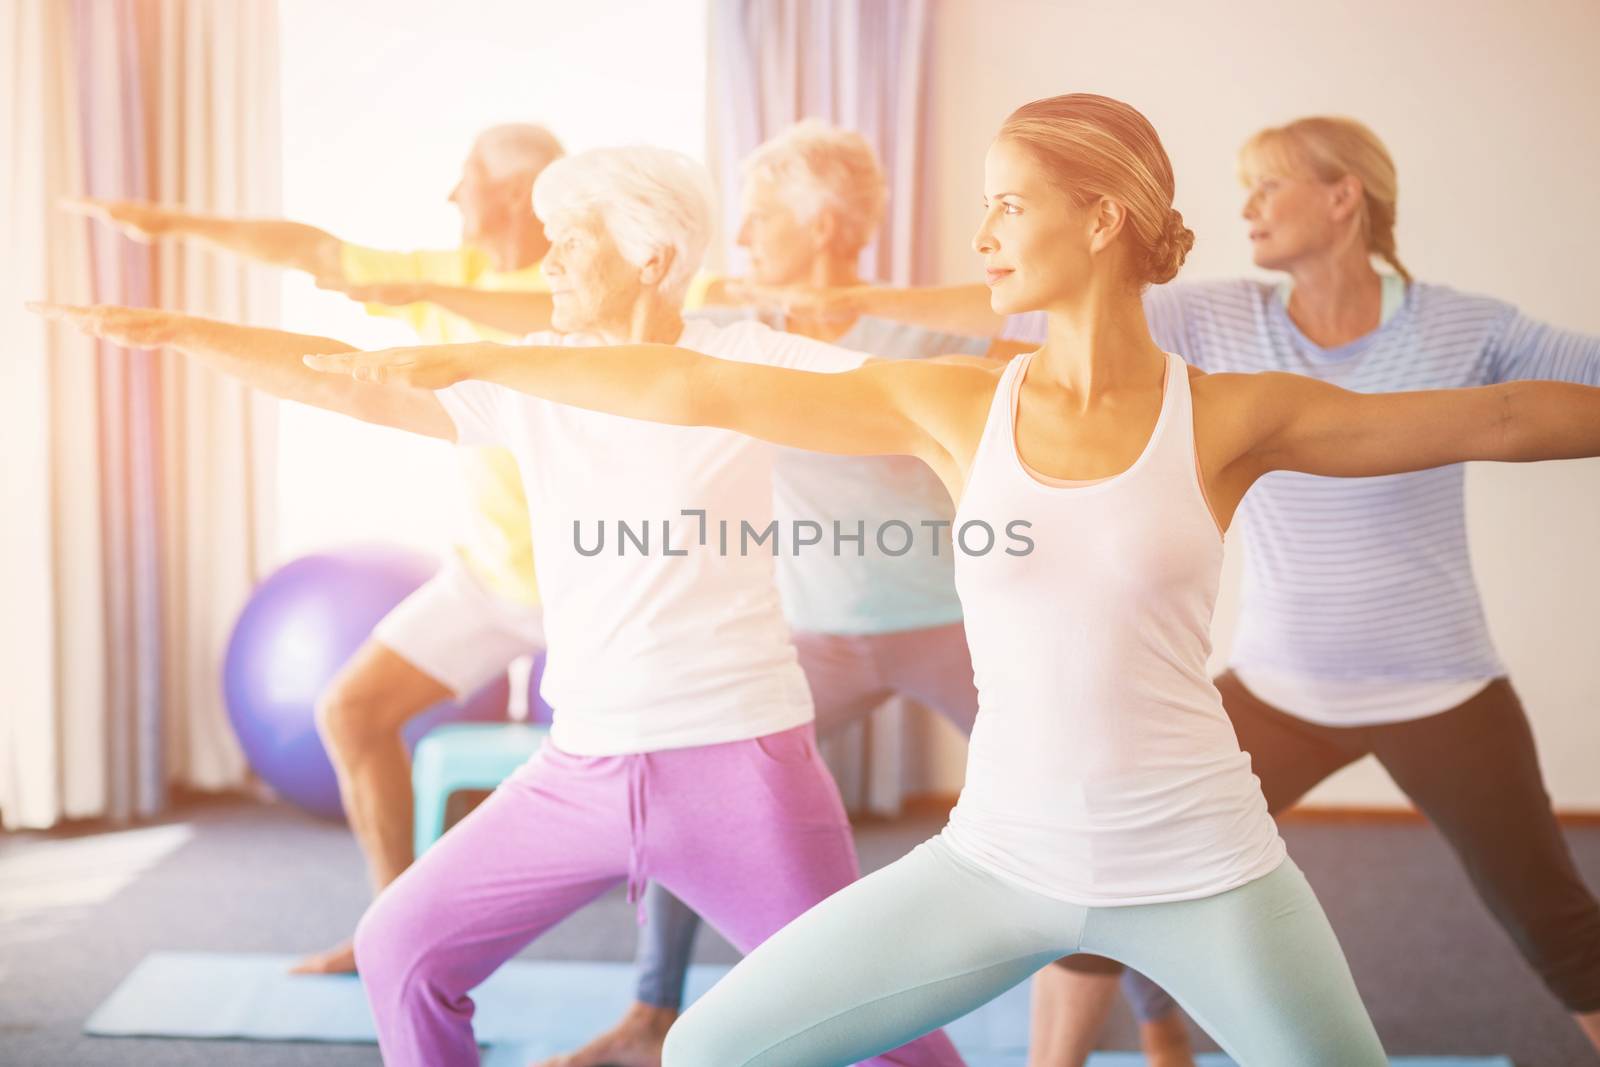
column 1443, row 300
column 1244, row 388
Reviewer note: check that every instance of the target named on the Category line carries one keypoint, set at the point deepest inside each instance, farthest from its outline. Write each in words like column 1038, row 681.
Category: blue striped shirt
column 1361, row 578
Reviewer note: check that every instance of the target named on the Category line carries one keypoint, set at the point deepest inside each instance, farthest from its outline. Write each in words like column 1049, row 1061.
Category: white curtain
column 137, row 489
column 861, row 64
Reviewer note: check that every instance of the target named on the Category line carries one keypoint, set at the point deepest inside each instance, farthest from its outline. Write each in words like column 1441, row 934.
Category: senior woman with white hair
column 871, row 620
column 682, row 747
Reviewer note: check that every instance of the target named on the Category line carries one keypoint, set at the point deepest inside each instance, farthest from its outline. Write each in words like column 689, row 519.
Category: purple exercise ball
column 298, row 629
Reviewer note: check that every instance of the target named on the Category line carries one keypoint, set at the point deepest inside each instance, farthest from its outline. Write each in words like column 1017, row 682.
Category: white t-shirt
column 650, row 650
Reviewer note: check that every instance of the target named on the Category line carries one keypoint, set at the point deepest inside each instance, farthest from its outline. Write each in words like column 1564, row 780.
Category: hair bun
column 1169, row 249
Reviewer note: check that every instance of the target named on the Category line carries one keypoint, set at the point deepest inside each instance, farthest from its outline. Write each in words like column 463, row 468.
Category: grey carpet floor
column 78, row 910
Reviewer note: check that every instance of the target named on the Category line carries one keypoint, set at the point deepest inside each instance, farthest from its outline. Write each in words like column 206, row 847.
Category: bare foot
column 1590, row 1022
column 340, row 959
column 634, row 1042
column 1166, row 1041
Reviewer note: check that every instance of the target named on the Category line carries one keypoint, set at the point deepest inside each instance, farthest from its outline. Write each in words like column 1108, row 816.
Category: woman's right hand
column 138, row 220
column 128, row 327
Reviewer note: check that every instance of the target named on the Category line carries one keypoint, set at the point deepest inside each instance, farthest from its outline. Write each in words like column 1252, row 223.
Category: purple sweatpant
column 750, row 834
column 851, row 674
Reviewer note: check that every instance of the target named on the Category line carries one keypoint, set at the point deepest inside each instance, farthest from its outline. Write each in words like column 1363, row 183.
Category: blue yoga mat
column 525, row 1011
column 254, row 997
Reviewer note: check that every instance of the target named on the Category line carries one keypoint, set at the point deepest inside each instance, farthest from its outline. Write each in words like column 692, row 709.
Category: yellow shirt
column 499, row 545
column 699, row 288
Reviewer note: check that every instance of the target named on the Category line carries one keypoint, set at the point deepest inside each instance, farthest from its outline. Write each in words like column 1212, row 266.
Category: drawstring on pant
column 636, row 828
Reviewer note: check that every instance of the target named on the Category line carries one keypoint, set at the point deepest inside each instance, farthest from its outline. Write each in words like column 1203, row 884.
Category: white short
column 459, row 633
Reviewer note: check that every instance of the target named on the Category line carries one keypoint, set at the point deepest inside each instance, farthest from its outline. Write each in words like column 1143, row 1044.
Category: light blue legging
column 929, row 938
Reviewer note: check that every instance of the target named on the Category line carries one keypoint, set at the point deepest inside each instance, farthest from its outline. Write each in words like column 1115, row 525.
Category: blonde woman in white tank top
column 1108, row 808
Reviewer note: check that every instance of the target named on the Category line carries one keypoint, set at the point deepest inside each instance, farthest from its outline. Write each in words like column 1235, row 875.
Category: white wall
column 381, row 99
column 1489, row 110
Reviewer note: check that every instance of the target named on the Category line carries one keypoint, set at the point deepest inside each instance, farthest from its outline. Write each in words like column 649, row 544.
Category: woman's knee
column 393, row 944
column 353, row 719
column 344, row 720
column 372, row 698
column 376, row 937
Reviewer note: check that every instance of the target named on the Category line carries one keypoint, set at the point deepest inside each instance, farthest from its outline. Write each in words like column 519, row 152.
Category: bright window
column 380, row 102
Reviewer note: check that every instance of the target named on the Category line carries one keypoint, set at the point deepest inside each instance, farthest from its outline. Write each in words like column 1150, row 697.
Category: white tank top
column 1103, row 769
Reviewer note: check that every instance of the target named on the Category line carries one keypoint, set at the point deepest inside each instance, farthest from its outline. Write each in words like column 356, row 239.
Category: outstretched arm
column 1524, row 348
column 960, row 309
column 514, row 313
column 270, row 360
column 897, row 407
column 1308, row 425
column 276, row 242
